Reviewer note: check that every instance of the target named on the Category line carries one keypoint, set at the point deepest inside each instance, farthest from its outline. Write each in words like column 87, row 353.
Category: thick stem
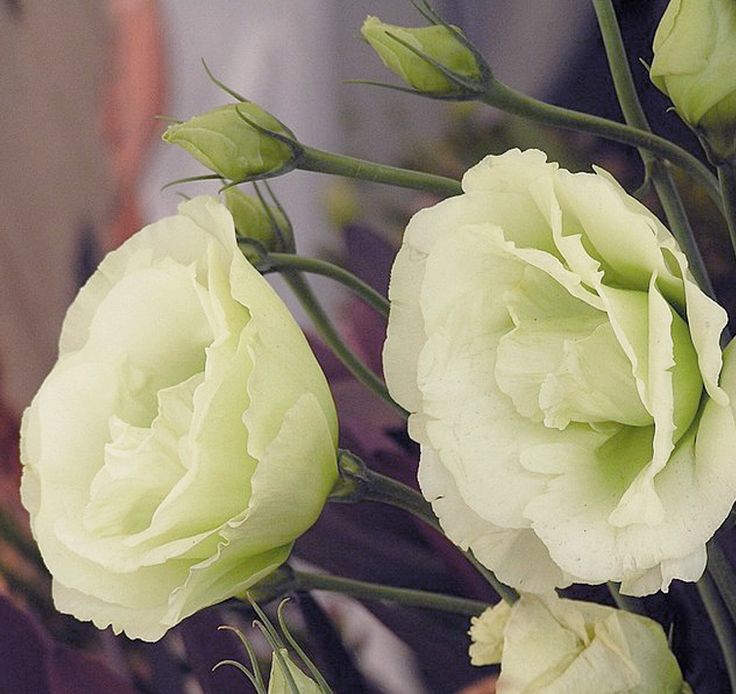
column 634, row 115
column 323, row 325
column 375, row 591
column 678, row 222
column 625, row 602
column 727, row 181
column 359, row 483
column 290, row 261
column 721, row 571
column 341, row 165
column 722, row 625
column 507, row 99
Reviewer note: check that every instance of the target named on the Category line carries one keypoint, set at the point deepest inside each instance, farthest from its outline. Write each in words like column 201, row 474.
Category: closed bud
column 225, row 142
column 695, row 65
column 256, row 221
column 461, row 73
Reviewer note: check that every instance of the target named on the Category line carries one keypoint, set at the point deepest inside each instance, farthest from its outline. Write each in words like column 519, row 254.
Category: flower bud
column 279, row 682
column 225, row 142
column 695, row 65
column 574, row 646
column 439, row 44
column 256, row 221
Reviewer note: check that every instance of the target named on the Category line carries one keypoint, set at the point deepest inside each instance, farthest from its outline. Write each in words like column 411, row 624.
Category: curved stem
column 332, row 339
column 359, row 483
column 721, row 571
column 376, row 591
column 727, row 181
column 634, row 115
column 330, row 163
column 625, row 602
column 291, row 261
column 722, row 625
column 679, row 223
column 389, row 491
column 618, row 66
column 507, row 99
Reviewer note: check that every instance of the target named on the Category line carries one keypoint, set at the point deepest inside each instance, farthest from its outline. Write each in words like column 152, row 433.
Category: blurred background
column 81, row 84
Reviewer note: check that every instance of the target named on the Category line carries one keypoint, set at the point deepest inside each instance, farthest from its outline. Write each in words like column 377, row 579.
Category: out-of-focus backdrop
column 82, row 81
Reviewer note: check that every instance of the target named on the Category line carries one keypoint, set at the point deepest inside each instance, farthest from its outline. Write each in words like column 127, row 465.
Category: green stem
column 618, row 65
column 507, row 99
column 727, row 181
column 720, row 570
column 327, row 162
column 332, row 339
column 634, row 115
column 722, row 625
column 679, row 223
column 290, row 261
column 625, row 602
column 375, row 591
column 359, row 483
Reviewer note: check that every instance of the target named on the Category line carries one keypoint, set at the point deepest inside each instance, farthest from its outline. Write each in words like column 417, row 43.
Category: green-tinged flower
column 254, row 220
column 224, row 141
column 185, row 437
column 285, row 675
column 561, row 646
column 562, row 369
column 695, row 65
column 436, row 42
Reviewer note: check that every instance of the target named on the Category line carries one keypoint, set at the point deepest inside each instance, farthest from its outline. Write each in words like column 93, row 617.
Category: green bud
column 438, row 43
column 695, row 65
column 255, row 220
column 228, row 145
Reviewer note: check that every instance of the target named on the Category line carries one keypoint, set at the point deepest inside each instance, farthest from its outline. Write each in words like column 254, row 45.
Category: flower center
column 562, row 362
column 565, row 361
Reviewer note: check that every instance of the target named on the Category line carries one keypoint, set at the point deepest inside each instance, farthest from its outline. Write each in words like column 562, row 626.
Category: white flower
column 553, row 349
column 185, row 437
column 556, row 646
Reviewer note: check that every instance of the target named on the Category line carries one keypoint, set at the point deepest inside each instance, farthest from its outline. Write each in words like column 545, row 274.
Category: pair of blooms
column 562, row 369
